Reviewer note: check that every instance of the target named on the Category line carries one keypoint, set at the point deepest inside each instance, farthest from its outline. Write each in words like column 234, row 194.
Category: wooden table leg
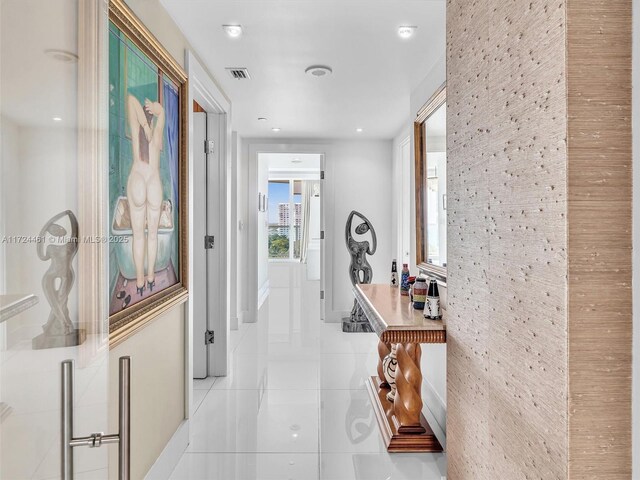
column 402, row 425
column 408, row 401
column 383, row 350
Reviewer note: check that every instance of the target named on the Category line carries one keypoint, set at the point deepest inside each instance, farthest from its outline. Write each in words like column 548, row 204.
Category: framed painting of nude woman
column 147, row 176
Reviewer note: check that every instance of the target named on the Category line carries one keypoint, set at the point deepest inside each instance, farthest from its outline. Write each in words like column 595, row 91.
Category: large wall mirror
column 430, row 130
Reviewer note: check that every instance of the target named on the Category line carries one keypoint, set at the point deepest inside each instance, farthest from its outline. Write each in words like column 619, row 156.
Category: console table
column 396, row 322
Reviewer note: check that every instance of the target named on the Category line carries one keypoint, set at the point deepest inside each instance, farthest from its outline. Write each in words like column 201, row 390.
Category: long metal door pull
column 94, row 440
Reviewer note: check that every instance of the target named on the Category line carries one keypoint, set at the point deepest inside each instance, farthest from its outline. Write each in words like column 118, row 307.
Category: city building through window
column 285, row 228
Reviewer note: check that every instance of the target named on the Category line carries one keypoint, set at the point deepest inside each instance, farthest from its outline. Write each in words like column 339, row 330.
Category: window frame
column 291, row 227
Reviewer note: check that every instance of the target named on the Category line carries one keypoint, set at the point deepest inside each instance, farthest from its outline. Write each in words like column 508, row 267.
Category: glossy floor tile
column 271, row 373
column 267, row 421
column 203, row 383
column 334, row 340
column 382, row 466
column 295, row 404
column 346, row 371
column 197, row 397
column 247, row 466
column 348, row 423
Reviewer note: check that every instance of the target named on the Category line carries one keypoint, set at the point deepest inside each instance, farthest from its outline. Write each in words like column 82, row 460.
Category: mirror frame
column 419, row 132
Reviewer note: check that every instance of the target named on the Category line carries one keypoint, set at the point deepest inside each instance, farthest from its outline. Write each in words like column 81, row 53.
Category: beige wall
column 157, row 389
column 158, row 21
column 539, row 304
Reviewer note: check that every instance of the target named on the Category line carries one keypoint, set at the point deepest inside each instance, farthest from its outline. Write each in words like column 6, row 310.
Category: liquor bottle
column 420, row 293
column 394, row 273
column 432, row 307
column 404, row 280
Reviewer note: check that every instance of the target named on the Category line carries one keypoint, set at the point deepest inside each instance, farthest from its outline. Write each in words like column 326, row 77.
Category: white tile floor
column 295, row 404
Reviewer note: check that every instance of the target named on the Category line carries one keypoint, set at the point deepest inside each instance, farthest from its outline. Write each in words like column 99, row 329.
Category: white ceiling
column 374, row 71
column 299, row 166
column 308, row 162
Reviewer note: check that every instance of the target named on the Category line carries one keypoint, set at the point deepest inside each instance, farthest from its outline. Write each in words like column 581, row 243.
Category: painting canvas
column 145, row 178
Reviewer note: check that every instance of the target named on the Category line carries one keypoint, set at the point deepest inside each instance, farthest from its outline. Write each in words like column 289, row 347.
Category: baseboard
column 170, row 456
column 263, row 293
column 436, row 406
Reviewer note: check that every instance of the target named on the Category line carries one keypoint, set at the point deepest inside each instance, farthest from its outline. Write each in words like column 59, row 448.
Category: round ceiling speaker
column 319, row 71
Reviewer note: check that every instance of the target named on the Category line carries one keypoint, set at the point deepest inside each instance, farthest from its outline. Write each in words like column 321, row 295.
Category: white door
column 209, row 357
column 199, row 287
column 53, row 101
column 322, row 240
column 217, row 272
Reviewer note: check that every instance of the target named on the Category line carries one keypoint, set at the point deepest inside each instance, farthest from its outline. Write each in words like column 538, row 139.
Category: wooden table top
column 393, row 317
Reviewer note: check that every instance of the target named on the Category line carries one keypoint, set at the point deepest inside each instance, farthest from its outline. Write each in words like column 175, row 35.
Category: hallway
column 165, row 163
column 295, row 404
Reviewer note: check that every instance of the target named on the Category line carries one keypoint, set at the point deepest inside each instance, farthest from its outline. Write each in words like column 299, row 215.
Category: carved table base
column 401, row 422
column 401, row 329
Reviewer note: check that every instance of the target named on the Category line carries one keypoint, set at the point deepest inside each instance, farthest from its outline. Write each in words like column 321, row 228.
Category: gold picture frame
column 130, row 319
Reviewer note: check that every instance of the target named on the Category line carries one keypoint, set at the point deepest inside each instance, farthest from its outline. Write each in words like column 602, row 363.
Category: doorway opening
column 286, row 174
column 292, row 213
column 210, row 260
column 293, row 209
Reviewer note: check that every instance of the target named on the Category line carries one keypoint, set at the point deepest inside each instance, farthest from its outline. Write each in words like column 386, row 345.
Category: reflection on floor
column 295, row 404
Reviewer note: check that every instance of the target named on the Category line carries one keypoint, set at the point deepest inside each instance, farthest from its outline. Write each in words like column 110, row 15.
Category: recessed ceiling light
column 359, row 130
column 63, row 56
column 234, row 31
column 406, row 31
column 275, row 129
column 262, row 119
column 318, row 70
column 57, row 119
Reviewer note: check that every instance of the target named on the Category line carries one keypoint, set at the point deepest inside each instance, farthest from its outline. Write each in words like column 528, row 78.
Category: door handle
column 122, row 438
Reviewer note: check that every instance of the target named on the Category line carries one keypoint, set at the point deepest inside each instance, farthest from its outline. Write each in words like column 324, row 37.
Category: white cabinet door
column 53, row 164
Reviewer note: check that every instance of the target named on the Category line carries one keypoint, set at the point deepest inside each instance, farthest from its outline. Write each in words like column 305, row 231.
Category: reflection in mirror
column 430, row 130
column 436, row 198
column 52, row 89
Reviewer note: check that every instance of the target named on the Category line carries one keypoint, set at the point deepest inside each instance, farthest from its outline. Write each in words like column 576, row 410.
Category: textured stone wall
column 508, row 285
column 599, row 238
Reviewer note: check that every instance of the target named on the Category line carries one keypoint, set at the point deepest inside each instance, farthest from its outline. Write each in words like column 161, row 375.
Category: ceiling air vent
column 238, row 73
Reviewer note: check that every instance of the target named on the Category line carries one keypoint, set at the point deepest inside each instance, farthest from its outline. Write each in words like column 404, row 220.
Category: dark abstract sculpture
column 360, row 270
column 58, row 281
